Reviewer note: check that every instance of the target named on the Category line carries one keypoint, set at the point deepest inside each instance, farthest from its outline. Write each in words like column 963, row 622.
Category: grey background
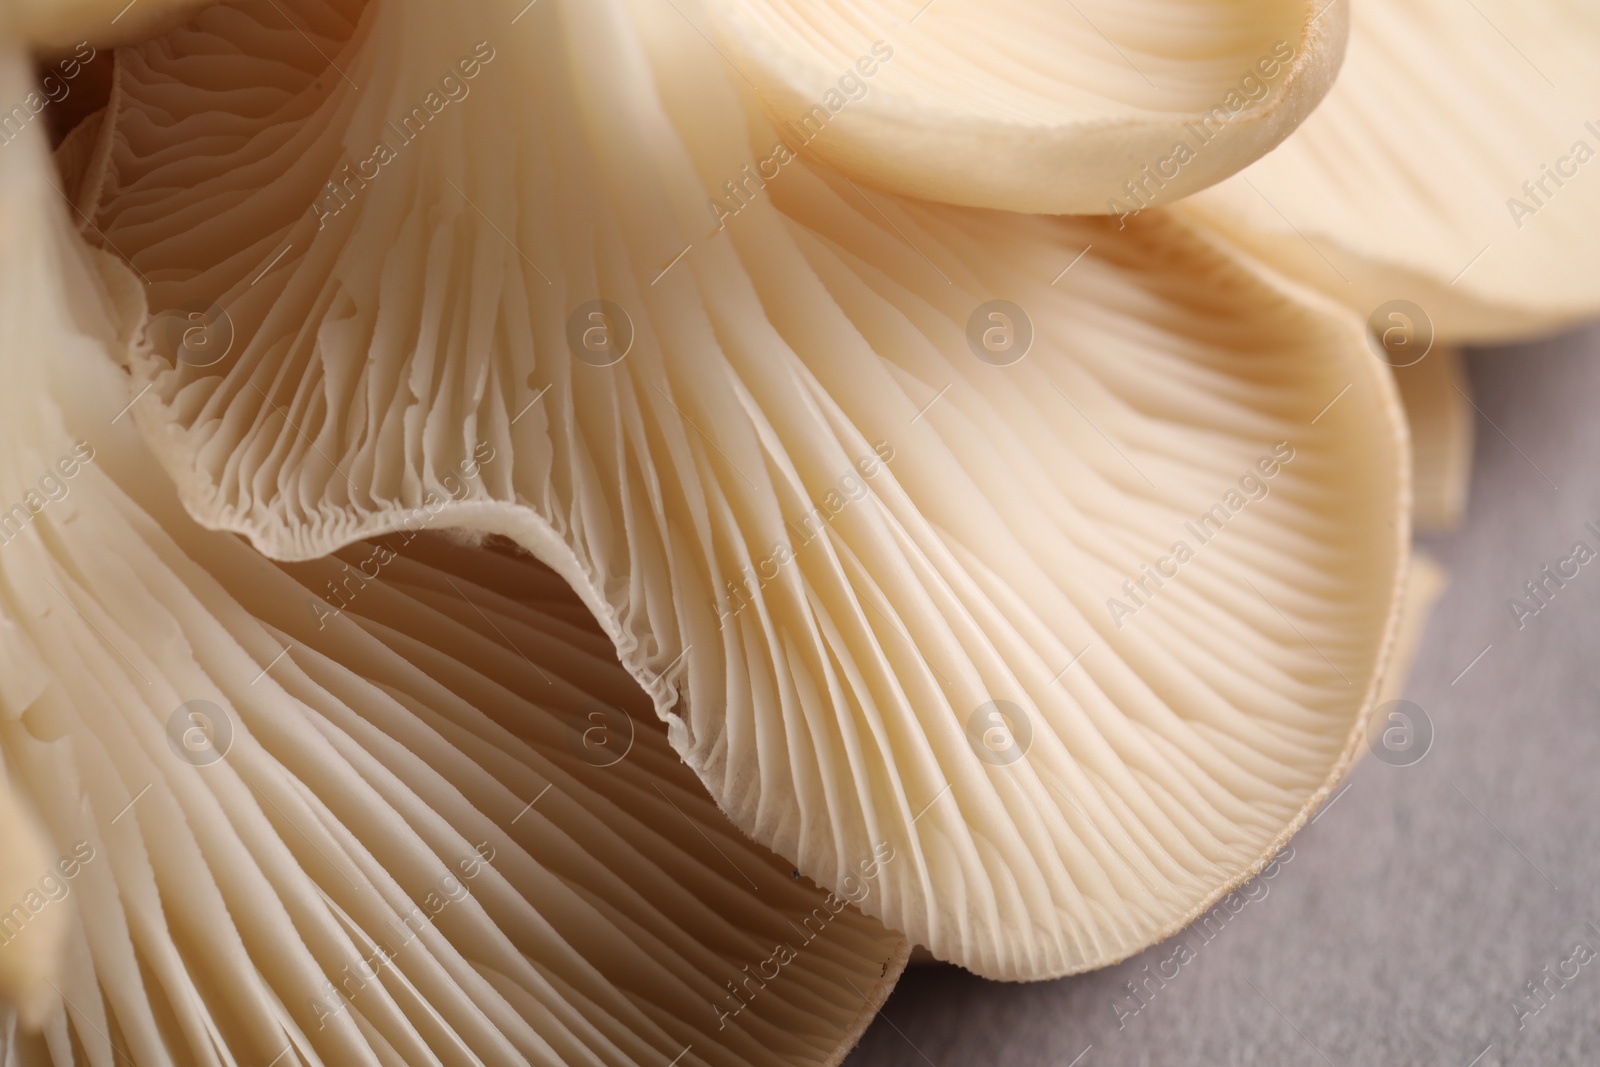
column 1408, row 920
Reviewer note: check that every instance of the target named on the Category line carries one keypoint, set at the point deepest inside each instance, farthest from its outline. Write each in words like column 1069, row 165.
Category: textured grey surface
column 1423, row 898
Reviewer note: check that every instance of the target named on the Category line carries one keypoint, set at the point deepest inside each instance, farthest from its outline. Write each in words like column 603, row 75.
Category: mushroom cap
column 1408, row 181
column 842, row 476
column 1035, row 106
column 324, row 818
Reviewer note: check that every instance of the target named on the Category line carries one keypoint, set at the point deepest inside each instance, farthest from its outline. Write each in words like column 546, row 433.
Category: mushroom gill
column 881, row 501
column 315, row 817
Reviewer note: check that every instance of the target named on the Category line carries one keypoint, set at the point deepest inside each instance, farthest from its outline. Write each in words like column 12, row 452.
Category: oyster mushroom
column 1085, row 107
column 842, row 476
column 321, row 818
column 1452, row 165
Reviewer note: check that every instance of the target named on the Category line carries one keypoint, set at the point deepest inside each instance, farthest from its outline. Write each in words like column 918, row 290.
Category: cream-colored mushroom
column 1452, row 165
column 1089, row 108
column 842, row 476
column 317, row 817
